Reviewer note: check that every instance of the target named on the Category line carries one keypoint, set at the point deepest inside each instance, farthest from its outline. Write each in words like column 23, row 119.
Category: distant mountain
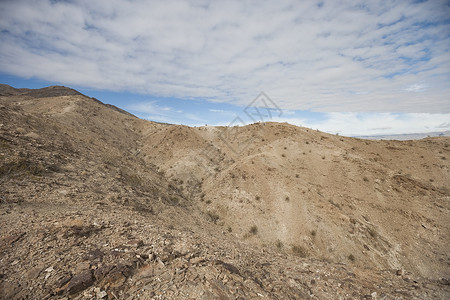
column 51, row 91
column 405, row 137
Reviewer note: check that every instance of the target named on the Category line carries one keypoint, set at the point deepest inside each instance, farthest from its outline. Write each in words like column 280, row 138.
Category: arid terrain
column 96, row 203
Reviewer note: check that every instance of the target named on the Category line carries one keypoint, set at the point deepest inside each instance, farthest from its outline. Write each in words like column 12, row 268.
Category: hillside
column 98, row 203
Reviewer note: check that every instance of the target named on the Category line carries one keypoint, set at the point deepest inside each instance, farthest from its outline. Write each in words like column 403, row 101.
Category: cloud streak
column 370, row 124
column 336, row 56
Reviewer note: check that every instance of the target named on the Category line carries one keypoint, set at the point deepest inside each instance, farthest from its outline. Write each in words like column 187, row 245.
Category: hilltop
column 96, row 202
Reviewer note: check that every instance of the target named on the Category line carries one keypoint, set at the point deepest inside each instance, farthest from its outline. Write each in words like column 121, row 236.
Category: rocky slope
column 96, row 203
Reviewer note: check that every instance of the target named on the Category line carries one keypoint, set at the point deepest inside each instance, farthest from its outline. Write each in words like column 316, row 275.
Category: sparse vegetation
column 132, row 179
column 173, row 200
column 213, row 216
column 22, row 167
column 257, row 198
column 287, row 199
column 299, row 251
column 253, row 230
column 279, row 244
column 313, row 232
column 365, row 179
column 351, row 258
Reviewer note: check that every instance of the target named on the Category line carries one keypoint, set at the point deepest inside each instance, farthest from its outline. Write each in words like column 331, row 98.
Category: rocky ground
column 97, row 204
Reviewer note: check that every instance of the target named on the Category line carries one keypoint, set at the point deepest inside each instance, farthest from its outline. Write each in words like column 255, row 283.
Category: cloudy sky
column 348, row 67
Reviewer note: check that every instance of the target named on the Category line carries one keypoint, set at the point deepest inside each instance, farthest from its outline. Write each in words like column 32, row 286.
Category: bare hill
column 98, row 203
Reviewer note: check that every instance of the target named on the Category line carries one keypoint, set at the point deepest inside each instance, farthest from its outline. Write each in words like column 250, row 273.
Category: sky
column 347, row 67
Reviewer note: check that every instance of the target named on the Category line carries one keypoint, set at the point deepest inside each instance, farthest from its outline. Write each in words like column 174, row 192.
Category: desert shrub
column 253, row 230
column 365, row 179
column 279, row 244
column 299, row 251
column 287, row 199
column 144, row 209
column 172, row 200
column 132, row 179
column 54, row 168
column 22, row 167
column 351, row 258
column 313, row 233
column 213, row 216
column 257, row 198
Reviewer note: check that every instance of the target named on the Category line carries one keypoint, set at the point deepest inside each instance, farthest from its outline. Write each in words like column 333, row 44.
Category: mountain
column 409, row 136
column 96, row 202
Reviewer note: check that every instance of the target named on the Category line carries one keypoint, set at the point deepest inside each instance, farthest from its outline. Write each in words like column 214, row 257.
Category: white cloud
column 227, row 113
column 150, row 107
column 353, row 124
column 341, row 56
column 416, row 88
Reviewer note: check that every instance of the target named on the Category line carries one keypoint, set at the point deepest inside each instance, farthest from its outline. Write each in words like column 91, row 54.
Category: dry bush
column 299, row 251
column 253, row 230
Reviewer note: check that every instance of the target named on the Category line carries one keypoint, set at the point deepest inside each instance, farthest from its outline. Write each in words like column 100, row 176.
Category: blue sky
column 348, row 67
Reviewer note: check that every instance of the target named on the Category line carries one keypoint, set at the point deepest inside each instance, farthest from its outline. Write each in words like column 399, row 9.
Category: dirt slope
column 327, row 196
column 98, row 203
